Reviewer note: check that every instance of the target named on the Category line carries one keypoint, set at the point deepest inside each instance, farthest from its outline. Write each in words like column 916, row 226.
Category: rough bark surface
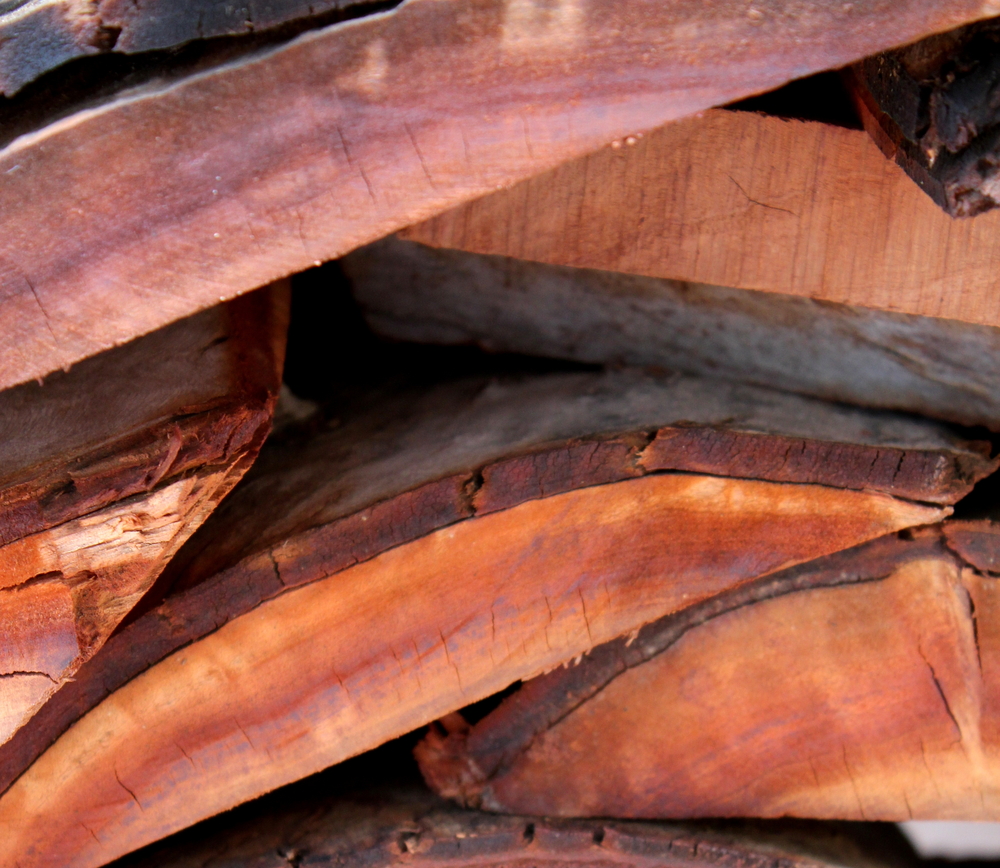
column 860, row 686
column 108, row 469
column 221, row 181
column 748, row 201
column 934, row 107
column 401, row 824
column 452, row 605
column 935, row 367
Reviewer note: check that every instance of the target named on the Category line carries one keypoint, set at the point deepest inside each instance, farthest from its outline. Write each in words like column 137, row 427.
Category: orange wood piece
column 863, row 688
column 397, row 465
column 335, row 667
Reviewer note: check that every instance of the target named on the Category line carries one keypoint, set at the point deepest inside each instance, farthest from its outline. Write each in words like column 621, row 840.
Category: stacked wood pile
column 656, row 485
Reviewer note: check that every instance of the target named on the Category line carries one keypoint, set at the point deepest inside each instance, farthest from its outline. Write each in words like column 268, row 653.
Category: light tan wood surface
column 739, row 199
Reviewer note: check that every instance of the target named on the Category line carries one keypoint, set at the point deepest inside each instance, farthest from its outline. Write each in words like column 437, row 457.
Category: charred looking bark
column 934, row 107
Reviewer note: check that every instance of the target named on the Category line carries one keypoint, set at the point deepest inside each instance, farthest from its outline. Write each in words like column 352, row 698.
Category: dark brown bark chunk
column 36, row 37
column 934, row 107
column 333, row 820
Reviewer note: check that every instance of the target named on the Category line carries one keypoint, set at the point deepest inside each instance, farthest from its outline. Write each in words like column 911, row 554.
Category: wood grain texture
column 858, row 687
column 743, row 200
column 399, row 465
column 335, row 667
column 108, row 469
column 873, row 358
column 242, row 174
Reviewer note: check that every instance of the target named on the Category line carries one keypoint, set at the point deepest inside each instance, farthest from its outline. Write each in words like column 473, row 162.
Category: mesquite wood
column 107, row 470
column 934, row 367
column 299, row 659
column 860, row 686
column 223, row 180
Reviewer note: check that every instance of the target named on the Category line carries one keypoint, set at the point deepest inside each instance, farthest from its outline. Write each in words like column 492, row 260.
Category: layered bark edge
column 578, row 545
column 257, row 546
column 398, row 824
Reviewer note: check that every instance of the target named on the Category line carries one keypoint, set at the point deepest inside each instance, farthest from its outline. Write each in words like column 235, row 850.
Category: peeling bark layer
column 108, row 469
column 185, row 192
column 746, row 201
column 356, row 586
column 861, row 686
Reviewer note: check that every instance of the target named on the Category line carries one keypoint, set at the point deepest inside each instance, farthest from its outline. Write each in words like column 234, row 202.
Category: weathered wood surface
column 39, row 35
column 941, row 368
column 862, row 686
column 743, row 200
column 932, row 107
column 108, row 469
column 397, row 823
column 429, row 571
column 237, row 175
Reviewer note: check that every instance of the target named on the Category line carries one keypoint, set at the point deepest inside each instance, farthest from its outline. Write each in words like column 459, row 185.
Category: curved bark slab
column 328, row 670
column 858, row 687
column 108, row 469
column 746, row 201
column 187, row 192
column 918, row 364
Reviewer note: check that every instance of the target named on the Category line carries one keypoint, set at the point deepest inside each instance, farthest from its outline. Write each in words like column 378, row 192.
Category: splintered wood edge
column 65, row 588
column 248, row 172
column 175, row 439
column 137, row 788
column 819, row 204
